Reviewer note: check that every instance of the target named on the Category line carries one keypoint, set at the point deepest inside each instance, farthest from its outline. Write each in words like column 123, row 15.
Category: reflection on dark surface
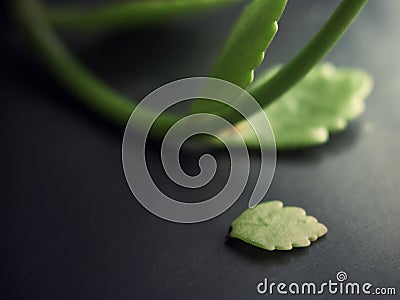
column 337, row 143
column 263, row 257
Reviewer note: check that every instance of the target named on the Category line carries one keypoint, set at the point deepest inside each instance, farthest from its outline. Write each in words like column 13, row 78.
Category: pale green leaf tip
column 271, row 226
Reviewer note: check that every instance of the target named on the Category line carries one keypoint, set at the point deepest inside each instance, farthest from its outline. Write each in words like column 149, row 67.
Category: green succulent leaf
column 271, row 226
column 127, row 13
column 323, row 102
column 246, row 46
column 248, row 41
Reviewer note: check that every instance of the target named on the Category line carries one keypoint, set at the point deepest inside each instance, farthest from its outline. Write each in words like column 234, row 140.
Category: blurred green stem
column 92, row 91
column 112, row 105
column 124, row 14
column 315, row 50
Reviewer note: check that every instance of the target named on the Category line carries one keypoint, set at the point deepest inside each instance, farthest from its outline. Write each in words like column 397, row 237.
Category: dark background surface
column 71, row 229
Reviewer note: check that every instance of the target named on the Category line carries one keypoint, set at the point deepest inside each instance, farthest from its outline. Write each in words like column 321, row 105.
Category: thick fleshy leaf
column 246, row 46
column 272, row 226
column 250, row 37
column 323, row 102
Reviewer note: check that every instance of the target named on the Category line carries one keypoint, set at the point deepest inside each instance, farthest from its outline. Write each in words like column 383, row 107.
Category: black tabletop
column 71, row 228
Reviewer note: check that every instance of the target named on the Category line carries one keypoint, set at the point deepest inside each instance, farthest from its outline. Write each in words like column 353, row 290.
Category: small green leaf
column 246, row 46
column 271, row 226
column 323, row 102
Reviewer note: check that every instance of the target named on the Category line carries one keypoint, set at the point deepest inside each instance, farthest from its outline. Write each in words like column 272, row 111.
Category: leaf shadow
column 337, row 143
column 260, row 256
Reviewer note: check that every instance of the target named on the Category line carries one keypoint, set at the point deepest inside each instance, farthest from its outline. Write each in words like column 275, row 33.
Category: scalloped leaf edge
column 276, row 204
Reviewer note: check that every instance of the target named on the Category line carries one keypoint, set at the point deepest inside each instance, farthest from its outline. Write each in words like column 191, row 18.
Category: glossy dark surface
column 71, row 229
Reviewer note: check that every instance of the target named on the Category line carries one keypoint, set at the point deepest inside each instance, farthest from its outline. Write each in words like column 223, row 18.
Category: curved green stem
column 267, row 91
column 92, row 91
column 123, row 14
column 101, row 98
